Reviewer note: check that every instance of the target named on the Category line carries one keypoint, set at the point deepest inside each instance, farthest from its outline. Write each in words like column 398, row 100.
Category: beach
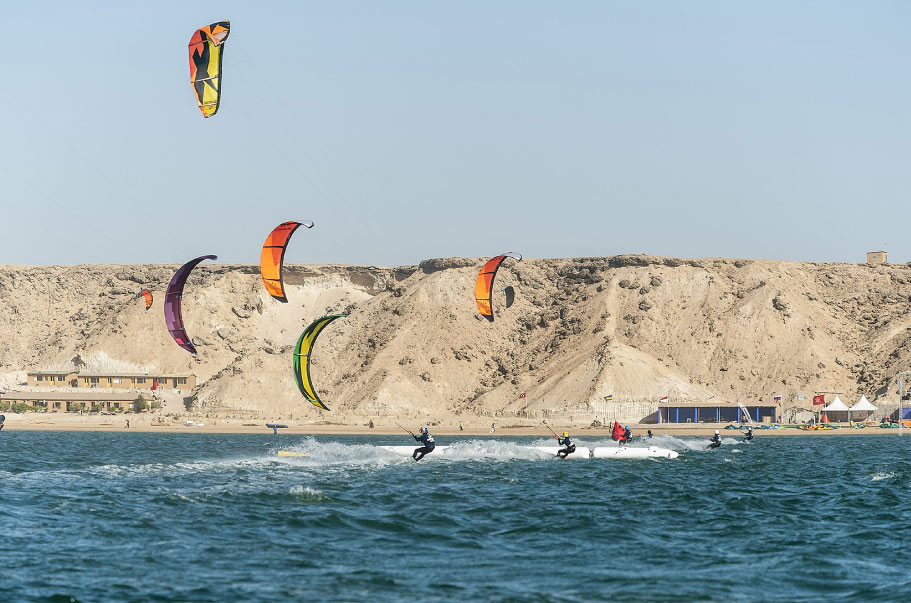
column 472, row 427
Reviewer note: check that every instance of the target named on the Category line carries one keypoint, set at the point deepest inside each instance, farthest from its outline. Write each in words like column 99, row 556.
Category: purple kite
column 172, row 316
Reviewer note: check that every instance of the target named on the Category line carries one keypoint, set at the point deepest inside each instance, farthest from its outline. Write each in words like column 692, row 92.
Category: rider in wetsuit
column 627, row 436
column 568, row 446
column 749, row 435
column 426, row 439
column 716, row 440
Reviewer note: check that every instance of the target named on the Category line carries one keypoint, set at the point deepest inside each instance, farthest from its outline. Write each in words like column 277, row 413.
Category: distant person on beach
column 128, row 424
column 568, row 446
column 426, row 439
column 493, row 427
column 716, row 440
column 371, row 424
column 461, row 426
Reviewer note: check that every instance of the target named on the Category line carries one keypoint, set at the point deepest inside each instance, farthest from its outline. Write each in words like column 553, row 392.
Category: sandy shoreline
column 142, row 424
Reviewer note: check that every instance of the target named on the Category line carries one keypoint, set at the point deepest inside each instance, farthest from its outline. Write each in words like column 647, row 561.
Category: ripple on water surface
column 176, row 517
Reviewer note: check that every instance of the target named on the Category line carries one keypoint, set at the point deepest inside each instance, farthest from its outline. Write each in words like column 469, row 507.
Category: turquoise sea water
column 176, row 517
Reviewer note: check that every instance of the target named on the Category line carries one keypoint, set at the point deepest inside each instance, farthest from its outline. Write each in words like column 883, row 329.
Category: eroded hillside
column 636, row 327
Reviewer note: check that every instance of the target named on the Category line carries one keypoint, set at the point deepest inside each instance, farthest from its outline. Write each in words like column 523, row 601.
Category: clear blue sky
column 409, row 130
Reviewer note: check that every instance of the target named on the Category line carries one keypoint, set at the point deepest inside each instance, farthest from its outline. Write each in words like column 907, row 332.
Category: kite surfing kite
column 148, row 295
column 301, row 359
column 483, row 287
column 273, row 257
column 173, row 317
column 206, row 49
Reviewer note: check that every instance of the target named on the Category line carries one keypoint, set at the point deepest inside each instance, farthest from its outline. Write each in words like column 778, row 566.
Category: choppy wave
column 353, row 521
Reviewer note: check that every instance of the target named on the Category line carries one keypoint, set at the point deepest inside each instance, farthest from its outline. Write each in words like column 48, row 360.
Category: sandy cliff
column 636, row 327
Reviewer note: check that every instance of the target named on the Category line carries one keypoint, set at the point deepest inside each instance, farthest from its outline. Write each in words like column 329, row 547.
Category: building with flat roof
column 113, row 380
column 876, row 257
column 720, row 412
column 68, row 401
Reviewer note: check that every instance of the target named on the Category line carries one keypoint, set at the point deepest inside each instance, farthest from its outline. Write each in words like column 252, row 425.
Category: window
column 93, row 380
column 140, row 380
column 116, row 379
column 39, row 378
column 60, row 377
column 182, row 380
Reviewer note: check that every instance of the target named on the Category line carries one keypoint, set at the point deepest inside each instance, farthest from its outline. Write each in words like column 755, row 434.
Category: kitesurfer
column 426, row 439
column 716, row 440
column 749, row 435
column 568, row 446
column 2, row 420
column 627, row 435
column 649, row 434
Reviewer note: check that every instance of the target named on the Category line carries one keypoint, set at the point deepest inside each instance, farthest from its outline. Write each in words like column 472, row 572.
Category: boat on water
column 582, row 452
column 632, row 452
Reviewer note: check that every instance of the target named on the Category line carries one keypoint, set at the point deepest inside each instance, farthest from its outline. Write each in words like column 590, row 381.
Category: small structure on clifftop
column 876, row 257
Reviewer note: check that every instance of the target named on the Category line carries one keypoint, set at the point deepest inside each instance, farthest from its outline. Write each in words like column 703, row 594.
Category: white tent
column 835, row 405
column 862, row 405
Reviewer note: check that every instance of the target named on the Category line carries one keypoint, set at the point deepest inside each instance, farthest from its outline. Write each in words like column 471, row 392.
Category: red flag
column 825, row 418
column 522, row 395
column 154, row 385
column 618, row 433
column 820, row 399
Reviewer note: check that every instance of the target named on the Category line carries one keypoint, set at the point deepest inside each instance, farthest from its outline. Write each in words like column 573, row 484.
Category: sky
column 413, row 130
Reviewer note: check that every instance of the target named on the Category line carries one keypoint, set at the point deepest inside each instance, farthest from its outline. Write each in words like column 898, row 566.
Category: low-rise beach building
column 113, row 380
column 73, row 401
column 719, row 412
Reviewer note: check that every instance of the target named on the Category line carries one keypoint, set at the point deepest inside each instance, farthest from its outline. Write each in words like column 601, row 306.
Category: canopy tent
column 863, row 405
column 835, row 405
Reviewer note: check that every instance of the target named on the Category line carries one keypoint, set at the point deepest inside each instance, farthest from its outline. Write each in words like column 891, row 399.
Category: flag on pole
column 608, row 397
column 663, row 400
column 819, row 399
column 522, row 395
column 777, row 398
column 800, row 396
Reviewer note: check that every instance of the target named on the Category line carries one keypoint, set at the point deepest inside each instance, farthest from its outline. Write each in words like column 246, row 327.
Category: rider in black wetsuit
column 716, row 440
column 568, row 446
column 2, row 420
column 749, row 435
column 426, row 439
column 627, row 436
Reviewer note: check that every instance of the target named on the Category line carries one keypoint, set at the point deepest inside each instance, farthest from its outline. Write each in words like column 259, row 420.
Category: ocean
column 208, row 517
